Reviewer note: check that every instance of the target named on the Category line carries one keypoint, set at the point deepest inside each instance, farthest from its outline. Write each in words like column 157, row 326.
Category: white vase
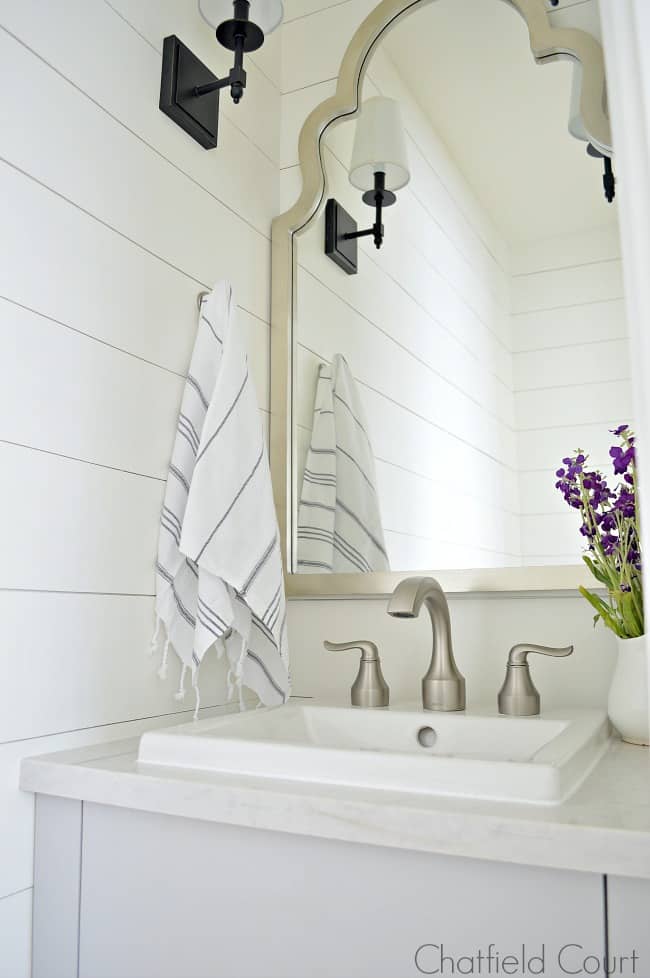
column 628, row 695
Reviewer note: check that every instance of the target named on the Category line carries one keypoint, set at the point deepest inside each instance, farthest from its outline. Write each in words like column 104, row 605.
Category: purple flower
column 622, row 459
column 608, row 515
column 619, row 431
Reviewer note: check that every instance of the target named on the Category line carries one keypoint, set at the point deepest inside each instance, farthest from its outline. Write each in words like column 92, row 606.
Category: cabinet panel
column 57, row 874
column 175, row 897
column 628, row 906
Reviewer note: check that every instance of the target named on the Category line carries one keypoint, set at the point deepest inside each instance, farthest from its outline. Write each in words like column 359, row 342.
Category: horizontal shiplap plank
column 566, row 251
column 79, row 272
column 294, row 9
column 105, row 169
column 544, row 449
column 584, row 404
column 591, row 322
column 539, row 495
column 77, row 527
column 409, row 553
column 63, row 273
column 555, row 535
column 64, row 392
column 93, row 658
column 552, row 560
column 16, row 935
column 596, row 282
column 74, row 527
column 572, row 366
column 306, row 59
column 415, row 506
column 401, row 438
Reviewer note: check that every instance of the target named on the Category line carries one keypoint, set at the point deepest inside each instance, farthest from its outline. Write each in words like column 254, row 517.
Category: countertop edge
column 347, row 817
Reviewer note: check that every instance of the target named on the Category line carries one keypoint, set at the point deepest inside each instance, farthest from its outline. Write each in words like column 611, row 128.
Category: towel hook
column 199, row 299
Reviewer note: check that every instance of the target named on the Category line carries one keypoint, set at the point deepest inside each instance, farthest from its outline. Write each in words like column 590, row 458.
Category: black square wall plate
column 337, row 223
column 182, row 72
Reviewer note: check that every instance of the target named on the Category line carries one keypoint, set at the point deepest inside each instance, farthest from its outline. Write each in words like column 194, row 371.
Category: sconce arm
column 236, row 78
column 378, row 198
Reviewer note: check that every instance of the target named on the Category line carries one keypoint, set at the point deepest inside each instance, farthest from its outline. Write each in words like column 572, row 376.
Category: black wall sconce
column 379, row 167
column 609, row 180
column 189, row 91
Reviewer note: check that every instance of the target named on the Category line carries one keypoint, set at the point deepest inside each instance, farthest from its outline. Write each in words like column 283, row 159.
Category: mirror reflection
column 474, row 333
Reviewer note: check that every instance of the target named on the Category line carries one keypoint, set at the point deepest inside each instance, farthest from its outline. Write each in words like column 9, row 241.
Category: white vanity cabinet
column 628, row 919
column 121, row 893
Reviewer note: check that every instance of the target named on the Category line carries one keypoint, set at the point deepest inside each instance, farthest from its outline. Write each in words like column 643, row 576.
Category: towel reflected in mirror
column 339, row 520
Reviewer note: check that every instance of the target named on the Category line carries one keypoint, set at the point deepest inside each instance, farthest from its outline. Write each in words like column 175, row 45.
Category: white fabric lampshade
column 379, row 146
column 267, row 14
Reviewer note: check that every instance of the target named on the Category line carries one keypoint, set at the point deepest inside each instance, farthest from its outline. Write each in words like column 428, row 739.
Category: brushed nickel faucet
column 369, row 689
column 443, row 686
column 518, row 696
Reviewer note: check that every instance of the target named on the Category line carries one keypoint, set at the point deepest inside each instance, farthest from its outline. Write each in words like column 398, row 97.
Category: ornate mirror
column 437, row 353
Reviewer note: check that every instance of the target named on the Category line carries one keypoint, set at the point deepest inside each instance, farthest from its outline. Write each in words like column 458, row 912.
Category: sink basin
column 475, row 755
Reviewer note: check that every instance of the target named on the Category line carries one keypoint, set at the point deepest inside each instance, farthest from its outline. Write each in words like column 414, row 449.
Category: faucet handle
column 369, row 651
column 519, row 653
column 369, row 689
column 518, row 697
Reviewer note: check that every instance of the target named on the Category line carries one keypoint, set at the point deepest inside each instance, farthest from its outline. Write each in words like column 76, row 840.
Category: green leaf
column 595, row 570
column 604, row 611
column 632, row 626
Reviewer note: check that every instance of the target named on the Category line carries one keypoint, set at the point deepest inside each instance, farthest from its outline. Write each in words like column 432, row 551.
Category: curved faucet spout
column 443, row 686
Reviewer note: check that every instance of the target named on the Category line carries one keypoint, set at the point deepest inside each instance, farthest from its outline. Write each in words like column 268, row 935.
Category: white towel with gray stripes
column 219, row 569
column 339, row 520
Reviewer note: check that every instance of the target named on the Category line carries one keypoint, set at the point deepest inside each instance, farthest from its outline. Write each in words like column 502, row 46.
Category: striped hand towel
column 339, row 521
column 219, row 569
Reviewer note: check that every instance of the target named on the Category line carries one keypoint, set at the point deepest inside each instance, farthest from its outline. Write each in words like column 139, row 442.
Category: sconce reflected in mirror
column 379, row 167
column 609, row 180
column 189, row 91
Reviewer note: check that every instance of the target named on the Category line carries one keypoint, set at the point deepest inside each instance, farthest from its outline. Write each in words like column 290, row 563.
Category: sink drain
column 426, row 736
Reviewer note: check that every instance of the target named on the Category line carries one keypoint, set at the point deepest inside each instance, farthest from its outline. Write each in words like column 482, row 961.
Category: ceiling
column 502, row 117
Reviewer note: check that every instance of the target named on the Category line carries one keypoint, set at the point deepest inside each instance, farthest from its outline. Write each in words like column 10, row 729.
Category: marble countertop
column 603, row 828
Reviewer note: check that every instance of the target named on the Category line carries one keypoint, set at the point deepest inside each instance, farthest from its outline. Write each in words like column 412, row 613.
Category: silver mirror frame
column 548, row 44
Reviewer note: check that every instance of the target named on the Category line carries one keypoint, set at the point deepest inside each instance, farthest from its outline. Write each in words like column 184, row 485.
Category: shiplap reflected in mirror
column 484, row 341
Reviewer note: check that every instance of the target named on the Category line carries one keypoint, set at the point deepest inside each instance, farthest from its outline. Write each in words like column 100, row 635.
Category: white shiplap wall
column 424, row 326
column 112, row 221
column 571, row 376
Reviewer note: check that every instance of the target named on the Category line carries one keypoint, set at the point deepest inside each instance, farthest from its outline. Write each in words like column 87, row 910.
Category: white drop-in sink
column 474, row 755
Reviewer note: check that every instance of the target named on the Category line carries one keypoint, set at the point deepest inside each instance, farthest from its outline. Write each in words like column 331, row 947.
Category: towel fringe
column 195, row 687
column 162, row 672
column 180, row 695
column 239, row 674
column 154, row 638
column 231, row 683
